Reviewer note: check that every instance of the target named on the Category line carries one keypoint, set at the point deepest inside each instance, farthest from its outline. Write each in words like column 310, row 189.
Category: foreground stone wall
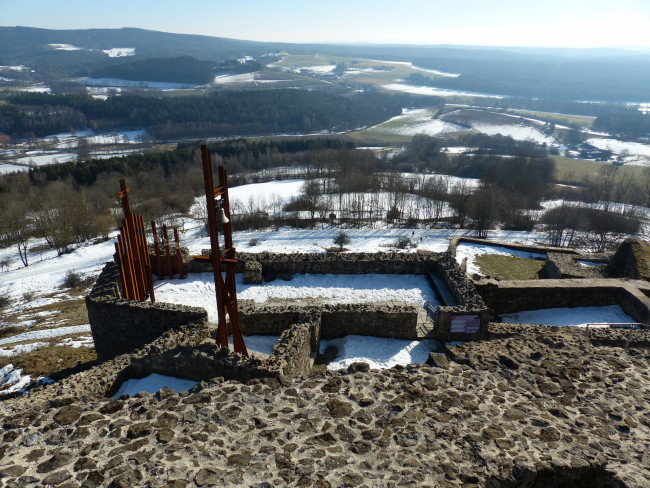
column 119, row 326
column 541, row 407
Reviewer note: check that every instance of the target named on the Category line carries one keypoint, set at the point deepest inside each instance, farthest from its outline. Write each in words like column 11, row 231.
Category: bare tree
column 459, row 199
column 482, row 210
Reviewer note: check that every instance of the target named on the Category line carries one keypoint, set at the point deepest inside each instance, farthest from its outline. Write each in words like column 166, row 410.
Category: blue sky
column 549, row 23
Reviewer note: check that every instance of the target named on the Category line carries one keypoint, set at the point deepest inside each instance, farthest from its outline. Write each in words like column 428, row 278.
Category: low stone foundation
column 515, row 296
column 567, row 266
column 536, row 248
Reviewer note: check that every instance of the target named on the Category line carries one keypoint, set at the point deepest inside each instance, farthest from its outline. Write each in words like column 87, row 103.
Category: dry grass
column 508, row 267
column 571, row 171
column 50, row 360
column 641, row 251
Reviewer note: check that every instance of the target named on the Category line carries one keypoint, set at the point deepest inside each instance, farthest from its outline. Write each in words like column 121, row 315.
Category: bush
column 253, row 242
column 75, row 281
column 404, row 243
column 5, row 301
column 341, row 239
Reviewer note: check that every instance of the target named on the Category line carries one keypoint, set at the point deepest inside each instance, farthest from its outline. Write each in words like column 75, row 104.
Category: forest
column 217, row 114
column 181, row 69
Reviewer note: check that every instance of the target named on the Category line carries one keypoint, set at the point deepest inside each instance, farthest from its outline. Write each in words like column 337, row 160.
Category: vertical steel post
column 225, row 291
column 179, row 259
column 156, row 244
column 168, row 252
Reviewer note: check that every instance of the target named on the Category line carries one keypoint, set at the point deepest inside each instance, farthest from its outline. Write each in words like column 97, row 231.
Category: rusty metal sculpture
column 218, row 207
column 132, row 253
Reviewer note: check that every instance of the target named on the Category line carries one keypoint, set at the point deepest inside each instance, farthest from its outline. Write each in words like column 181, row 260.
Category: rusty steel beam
column 133, row 254
column 156, row 244
column 168, row 252
column 226, row 292
column 179, row 259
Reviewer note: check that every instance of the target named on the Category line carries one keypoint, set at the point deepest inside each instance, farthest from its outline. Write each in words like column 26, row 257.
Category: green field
column 578, row 170
column 556, row 118
column 509, row 267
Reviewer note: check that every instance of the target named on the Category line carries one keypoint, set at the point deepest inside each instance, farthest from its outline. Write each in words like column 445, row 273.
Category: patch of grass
column 556, row 118
column 641, row 251
column 72, row 312
column 5, row 301
column 571, row 171
column 10, row 331
column 371, row 138
column 508, row 267
column 50, row 360
column 336, row 249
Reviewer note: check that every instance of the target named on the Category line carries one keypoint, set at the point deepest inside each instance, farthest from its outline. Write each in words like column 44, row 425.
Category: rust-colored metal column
column 179, row 259
column 168, row 252
column 156, row 245
column 225, row 291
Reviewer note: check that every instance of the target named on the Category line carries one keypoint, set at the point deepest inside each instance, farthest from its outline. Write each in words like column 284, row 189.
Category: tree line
column 216, row 114
column 73, row 202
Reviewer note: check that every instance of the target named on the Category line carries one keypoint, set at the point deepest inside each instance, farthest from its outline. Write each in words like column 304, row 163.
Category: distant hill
column 566, row 74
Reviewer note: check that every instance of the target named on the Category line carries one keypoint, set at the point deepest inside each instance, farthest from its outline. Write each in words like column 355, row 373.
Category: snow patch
column 435, row 92
column 377, row 352
column 46, row 333
column 119, row 52
column 64, row 47
column 152, row 384
column 576, row 317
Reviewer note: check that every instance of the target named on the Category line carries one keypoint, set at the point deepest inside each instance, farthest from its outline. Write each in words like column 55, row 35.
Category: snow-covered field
column 622, row 148
column 435, row 92
column 519, row 132
column 577, row 317
column 415, row 121
column 64, row 47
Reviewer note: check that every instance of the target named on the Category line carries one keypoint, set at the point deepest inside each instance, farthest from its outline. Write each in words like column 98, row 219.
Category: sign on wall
column 467, row 324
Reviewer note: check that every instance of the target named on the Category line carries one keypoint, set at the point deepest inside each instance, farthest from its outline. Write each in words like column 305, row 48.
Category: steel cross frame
column 226, row 290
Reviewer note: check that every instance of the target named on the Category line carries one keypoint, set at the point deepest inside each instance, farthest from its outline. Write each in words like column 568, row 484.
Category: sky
column 538, row 23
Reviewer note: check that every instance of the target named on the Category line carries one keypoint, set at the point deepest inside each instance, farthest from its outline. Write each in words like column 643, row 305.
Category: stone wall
column 458, row 323
column 515, row 296
column 384, row 319
column 453, row 244
column 368, row 320
column 632, row 260
column 567, row 266
column 292, row 353
column 119, row 326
